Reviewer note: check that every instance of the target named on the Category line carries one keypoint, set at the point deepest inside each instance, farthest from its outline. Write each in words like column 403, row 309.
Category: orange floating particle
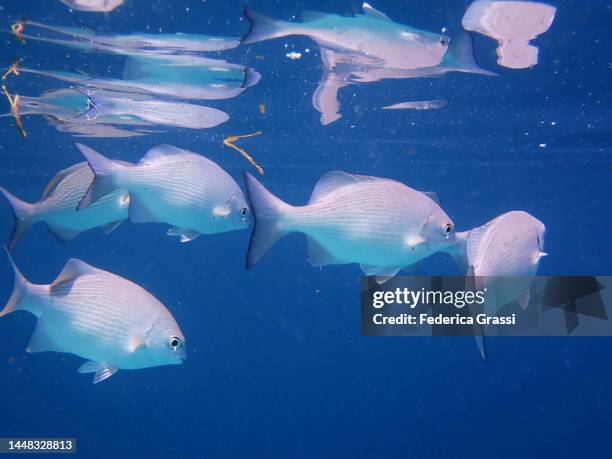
column 14, row 103
column 17, row 30
column 229, row 142
column 14, row 69
column 262, row 109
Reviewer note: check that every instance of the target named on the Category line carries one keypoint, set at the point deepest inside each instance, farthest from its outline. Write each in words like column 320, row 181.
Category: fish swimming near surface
column 342, row 69
column 174, row 186
column 179, row 77
column 102, row 317
column 379, row 223
column 131, row 44
column 58, row 206
column 93, row 6
column 370, row 34
column 503, row 257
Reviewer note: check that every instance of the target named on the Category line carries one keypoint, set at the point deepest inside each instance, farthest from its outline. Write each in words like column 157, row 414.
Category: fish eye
column 448, row 228
column 244, row 211
column 174, row 342
column 443, row 41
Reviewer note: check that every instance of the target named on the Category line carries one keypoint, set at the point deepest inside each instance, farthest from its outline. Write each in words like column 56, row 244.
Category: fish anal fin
column 62, row 234
column 139, row 213
column 318, row 255
column 308, row 16
column 111, row 226
column 40, row 340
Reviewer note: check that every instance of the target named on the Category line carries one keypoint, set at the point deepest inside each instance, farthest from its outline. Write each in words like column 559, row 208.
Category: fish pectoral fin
column 221, row 211
column 184, row 234
column 102, row 370
column 369, row 10
column 523, row 300
column 382, row 273
column 139, row 212
column 61, row 233
column 40, row 341
column 318, row 255
column 111, row 227
column 137, row 341
column 414, row 241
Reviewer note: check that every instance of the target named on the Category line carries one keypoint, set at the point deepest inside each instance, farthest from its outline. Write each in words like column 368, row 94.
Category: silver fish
column 99, row 316
column 174, row 186
column 418, row 105
column 341, row 69
column 93, row 6
column 501, row 258
column 132, row 44
column 370, row 34
column 509, row 247
column 379, row 223
column 58, row 206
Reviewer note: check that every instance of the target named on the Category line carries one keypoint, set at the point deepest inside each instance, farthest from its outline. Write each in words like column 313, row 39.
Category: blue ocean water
column 277, row 367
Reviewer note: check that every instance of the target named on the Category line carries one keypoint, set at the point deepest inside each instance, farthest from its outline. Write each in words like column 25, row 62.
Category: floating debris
column 14, row 103
column 262, row 109
column 14, row 69
column 17, row 30
column 229, row 142
column 294, row 56
column 418, row 105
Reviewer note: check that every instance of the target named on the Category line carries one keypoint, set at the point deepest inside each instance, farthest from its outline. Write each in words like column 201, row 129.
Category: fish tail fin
column 20, row 286
column 268, row 211
column 104, row 171
column 263, row 28
column 461, row 49
column 23, row 213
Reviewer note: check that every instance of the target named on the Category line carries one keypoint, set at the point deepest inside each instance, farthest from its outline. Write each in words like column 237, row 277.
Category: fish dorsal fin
column 61, row 175
column 73, row 269
column 161, row 151
column 308, row 16
column 433, row 196
column 369, row 10
column 337, row 179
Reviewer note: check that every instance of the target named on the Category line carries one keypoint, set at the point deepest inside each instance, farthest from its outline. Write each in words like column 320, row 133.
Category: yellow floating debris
column 229, row 142
column 17, row 30
column 14, row 102
column 14, row 69
column 262, row 109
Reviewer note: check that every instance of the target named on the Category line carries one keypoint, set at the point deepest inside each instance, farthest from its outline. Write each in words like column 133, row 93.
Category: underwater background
column 276, row 365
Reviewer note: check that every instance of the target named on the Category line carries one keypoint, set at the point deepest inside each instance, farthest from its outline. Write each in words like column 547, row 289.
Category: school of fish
column 378, row 223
